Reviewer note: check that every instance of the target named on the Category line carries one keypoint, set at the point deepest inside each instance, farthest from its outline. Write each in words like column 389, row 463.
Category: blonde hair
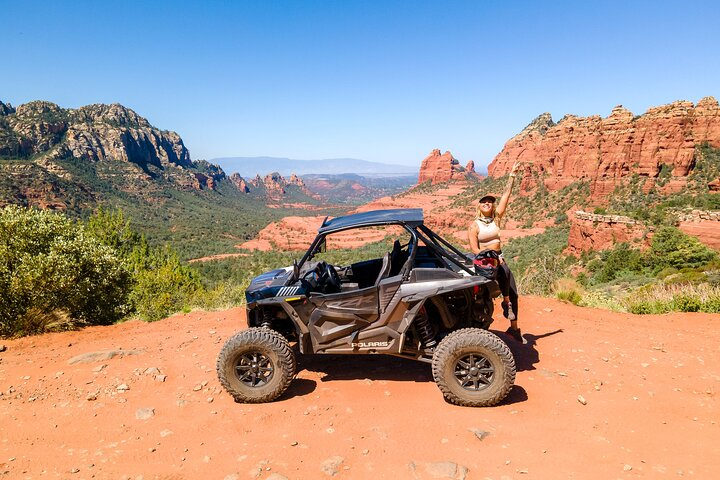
column 478, row 212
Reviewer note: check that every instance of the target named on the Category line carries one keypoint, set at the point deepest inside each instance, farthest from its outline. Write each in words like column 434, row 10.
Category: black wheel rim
column 474, row 372
column 254, row 369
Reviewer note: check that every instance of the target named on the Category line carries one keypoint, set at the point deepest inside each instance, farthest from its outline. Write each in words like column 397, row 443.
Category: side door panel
column 339, row 315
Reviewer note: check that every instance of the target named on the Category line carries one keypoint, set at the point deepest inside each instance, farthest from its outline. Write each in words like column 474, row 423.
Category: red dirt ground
column 649, row 383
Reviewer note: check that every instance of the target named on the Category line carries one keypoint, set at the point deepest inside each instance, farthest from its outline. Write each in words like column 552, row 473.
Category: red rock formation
column 295, row 180
column 239, row 182
column 204, row 182
column 604, row 150
column 438, row 168
column 274, row 184
column 714, row 186
column 589, row 232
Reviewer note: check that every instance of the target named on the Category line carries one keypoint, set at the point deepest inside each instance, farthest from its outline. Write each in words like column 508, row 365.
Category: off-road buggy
column 421, row 299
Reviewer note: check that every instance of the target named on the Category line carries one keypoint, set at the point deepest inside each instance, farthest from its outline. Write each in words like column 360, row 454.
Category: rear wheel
column 256, row 365
column 473, row 368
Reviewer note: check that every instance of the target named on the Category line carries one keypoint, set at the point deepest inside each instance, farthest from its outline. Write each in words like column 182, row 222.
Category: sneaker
column 515, row 333
column 507, row 310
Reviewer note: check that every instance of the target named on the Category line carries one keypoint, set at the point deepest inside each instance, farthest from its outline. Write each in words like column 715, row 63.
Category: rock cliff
column 110, row 142
column 604, row 151
column 273, row 184
column 94, row 132
column 592, row 232
column 439, row 168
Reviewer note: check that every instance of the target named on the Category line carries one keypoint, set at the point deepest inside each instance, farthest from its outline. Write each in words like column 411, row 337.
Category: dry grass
column 675, row 298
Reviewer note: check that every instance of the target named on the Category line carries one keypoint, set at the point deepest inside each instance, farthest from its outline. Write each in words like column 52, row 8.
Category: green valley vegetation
column 56, row 273
column 75, row 160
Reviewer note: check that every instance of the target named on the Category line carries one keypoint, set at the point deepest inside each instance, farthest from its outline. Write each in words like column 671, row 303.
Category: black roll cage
column 420, row 232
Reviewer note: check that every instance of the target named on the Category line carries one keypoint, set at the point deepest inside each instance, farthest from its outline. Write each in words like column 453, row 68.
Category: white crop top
column 488, row 232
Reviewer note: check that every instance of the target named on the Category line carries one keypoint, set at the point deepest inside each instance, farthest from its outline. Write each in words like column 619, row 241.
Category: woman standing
column 484, row 234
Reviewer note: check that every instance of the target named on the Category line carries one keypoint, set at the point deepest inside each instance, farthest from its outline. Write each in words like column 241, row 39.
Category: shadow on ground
column 526, row 354
column 387, row 367
column 374, row 367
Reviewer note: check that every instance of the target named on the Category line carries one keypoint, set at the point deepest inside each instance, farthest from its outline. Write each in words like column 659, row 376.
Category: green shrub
column 677, row 298
column 622, row 259
column 163, row 285
column 571, row 296
column 50, row 266
column 692, row 276
column 666, row 272
column 673, row 248
column 599, row 299
column 686, row 303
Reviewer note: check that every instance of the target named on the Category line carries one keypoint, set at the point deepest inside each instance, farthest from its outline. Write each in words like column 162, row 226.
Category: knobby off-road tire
column 473, row 368
column 256, row 365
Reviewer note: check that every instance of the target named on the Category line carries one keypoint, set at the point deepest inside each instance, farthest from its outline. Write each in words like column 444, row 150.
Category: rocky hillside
column 273, row 185
column 658, row 146
column 51, row 152
column 76, row 159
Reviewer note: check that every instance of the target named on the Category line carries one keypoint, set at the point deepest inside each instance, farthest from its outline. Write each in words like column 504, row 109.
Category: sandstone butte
column 604, row 150
column 439, row 168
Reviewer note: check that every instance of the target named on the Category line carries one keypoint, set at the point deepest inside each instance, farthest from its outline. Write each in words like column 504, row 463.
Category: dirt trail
column 648, row 385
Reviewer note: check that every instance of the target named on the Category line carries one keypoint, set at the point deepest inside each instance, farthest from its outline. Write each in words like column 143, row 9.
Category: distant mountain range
column 251, row 166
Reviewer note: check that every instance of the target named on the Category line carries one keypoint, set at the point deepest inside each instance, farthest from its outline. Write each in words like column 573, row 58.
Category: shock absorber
column 267, row 318
column 424, row 329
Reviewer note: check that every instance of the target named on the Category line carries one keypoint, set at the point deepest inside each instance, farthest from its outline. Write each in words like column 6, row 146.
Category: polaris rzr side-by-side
column 422, row 299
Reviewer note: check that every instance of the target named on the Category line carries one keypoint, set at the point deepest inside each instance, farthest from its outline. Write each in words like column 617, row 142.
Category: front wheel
column 256, row 365
column 473, row 368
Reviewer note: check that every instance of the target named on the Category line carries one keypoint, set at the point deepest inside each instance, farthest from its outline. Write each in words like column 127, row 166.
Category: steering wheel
column 333, row 279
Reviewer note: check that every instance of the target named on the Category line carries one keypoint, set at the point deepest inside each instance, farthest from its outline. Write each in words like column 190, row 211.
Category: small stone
column 123, row 387
column 582, row 400
column 144, row 413
column 152, row 449
column 480, row 434
column 210, row 399
column 91, row 397
column 365, row 451
column 75, row 470
column 547, row 310
column 293, row 444
column 160, row 378
column 2, row 348
column 166, row 433
column 197, row 388
column 446, row 470
column 331, row 466
column 99, row 368
column 152, row 371
column 627, row 468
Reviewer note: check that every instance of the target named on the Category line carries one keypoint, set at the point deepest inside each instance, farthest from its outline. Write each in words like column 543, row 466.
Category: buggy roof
column 408, row 216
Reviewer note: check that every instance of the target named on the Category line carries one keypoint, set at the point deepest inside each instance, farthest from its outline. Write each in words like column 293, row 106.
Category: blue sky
column 383, row 81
